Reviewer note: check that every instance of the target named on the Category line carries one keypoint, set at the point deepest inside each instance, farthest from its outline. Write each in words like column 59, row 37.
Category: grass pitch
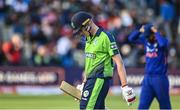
column 67, row 102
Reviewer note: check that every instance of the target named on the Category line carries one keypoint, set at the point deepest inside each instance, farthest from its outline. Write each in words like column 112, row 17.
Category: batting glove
column 80, row 87
column 128, row 95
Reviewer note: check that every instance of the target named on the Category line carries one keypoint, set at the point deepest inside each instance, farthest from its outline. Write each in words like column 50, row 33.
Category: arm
column 84, row 77
column 112, row 49
column 121, row 69
column 127, row 92
column 134, row 37
column 81, row 86
column 163, row 42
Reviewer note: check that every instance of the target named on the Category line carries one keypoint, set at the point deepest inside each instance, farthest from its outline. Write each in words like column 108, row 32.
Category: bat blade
column 70, row 90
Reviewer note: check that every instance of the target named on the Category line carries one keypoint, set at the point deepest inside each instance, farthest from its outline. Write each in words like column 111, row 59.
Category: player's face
column 85, row 30
column 151, row 38
column 81, row 32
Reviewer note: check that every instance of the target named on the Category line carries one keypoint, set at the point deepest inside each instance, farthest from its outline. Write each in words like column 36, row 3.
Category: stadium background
column 38, row 51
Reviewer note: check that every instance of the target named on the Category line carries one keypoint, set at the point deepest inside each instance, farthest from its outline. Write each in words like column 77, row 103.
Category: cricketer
column 100, row 53
column 155, row 83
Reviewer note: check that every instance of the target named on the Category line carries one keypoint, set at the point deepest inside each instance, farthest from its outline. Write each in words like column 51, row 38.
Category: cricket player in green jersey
column 101, row 52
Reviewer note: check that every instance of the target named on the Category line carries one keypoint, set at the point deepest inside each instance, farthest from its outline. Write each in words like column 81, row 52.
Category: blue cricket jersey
column 156, row 53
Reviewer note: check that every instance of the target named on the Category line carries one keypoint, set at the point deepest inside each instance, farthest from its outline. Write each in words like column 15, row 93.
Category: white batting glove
column 128, row 95
column 80, row 87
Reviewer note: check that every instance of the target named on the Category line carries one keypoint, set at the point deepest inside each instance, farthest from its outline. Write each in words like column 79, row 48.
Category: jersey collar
column 98, row 32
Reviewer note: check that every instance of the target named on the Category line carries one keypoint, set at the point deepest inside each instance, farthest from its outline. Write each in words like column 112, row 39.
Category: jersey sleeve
column 110, row 45
column 163, row 42
column 134, row 37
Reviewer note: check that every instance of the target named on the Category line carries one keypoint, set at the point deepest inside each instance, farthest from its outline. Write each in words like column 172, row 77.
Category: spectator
column 167, row 14
column 2, row 56
column 64, row 47
column 44, row 23
column 12, row 50
column 20, row 6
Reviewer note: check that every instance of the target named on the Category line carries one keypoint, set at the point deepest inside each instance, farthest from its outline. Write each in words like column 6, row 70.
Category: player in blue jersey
column 155, row 83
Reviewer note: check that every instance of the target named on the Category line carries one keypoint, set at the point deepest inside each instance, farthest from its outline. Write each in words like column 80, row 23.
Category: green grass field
column 67, row 102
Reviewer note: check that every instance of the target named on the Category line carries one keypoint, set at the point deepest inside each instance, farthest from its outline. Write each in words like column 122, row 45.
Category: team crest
column 86, row 93
column 95, row 42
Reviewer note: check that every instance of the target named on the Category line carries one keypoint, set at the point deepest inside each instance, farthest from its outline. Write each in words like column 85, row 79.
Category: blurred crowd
column 38, row 32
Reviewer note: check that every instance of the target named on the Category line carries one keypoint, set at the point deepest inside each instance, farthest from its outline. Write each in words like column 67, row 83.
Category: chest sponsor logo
column 90, row 55
column 151, row 50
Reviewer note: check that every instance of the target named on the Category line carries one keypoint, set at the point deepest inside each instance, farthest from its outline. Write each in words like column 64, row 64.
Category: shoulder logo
column 114, row 46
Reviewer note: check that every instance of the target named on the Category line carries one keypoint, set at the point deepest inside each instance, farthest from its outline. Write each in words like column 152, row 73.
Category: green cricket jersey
column 99, row 50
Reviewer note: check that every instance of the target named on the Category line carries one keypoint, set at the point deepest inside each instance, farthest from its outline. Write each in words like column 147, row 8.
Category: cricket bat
column 70, row 90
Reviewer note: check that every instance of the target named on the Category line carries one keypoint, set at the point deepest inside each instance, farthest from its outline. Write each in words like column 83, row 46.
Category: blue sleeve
column 163, row 42
column 134, row 37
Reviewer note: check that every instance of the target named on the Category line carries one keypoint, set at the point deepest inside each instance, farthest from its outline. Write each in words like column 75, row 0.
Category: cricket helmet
column 79, row 20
